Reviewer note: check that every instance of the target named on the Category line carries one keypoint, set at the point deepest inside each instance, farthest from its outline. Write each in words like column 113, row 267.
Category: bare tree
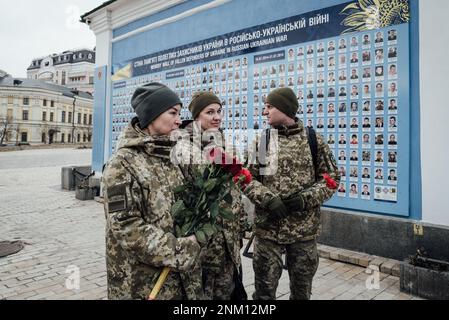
column 5, row 128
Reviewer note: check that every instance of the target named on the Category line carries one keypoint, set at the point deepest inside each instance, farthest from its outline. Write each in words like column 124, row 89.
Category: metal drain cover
column 10, row 247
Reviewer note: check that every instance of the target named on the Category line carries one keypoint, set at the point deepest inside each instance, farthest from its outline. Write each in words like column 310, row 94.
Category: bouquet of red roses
column 197, row 208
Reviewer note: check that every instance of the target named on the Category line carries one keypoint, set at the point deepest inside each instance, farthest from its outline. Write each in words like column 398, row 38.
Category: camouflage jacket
column 290, row 159
column 137, row 184
column 225, row 244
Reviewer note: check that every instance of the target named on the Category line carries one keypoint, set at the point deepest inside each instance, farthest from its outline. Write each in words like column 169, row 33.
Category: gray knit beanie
column 151, row 100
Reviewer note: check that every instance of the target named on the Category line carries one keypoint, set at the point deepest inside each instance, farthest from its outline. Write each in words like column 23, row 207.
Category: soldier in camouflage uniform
column 138, row 183
column 221, row 259
column 288, row 200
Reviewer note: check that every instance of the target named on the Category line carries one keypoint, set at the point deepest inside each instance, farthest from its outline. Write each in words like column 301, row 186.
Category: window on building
column 26, row 101
column 85, row 119
column 90, row 119
column 44, row 137
column 79, row 138
column 69, row 118
column 63, row 78
column 63, row 116
column 84, row 138
column 51, row 116
column 79, row 118
column 24, row 137
column 44, row 116
column 62, row 137
column 52, row 103
column 44, row 102
column 25, row 115
column 89, row 137
column 10, row 100
column 69, row 138
column 9, row 114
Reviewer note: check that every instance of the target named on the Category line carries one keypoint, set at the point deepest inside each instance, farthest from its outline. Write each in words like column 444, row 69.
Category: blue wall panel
column 99, row 119
column 240, row 14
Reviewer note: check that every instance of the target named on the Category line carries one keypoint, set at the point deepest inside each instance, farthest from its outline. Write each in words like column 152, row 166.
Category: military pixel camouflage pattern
column 302, row 263
column 294, row 173
column 223, row 250
column 138, row 183
column 219, row 285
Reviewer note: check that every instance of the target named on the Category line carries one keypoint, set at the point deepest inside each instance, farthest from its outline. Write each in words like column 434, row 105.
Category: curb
column 385, row 265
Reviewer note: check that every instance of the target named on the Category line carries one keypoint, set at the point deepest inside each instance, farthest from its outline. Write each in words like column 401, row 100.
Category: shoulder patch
column 116, row 190
column 116, row 198
column 117, row 205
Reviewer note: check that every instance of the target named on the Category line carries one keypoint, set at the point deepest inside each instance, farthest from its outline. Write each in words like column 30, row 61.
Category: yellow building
column 37, row 112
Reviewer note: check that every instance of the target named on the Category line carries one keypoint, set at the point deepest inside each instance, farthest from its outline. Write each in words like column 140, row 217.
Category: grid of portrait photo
column 121, row 111
column 347, row 90
column 228, row 79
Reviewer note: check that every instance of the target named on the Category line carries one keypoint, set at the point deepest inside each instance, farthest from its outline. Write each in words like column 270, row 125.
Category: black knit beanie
column 201, row 100
column 151, row 100
column 285, row 100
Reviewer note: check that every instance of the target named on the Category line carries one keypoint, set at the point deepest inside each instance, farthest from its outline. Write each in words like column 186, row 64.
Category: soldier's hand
column 294, row 202
column 277, row 208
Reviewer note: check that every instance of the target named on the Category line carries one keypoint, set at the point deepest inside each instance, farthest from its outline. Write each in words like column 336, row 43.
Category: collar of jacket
column 294, row 129
column 157, row 146
column 208, row 139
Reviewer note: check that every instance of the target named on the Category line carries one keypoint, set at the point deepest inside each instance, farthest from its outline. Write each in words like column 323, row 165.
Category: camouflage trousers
column 302, row 263
column 219, row 285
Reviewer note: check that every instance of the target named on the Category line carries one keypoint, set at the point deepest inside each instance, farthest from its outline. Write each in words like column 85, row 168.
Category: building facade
column 73, row 69
column 36, row 112
column 370, row 87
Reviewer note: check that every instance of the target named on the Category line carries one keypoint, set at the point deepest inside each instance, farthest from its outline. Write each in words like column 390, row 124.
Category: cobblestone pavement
column 62, row 233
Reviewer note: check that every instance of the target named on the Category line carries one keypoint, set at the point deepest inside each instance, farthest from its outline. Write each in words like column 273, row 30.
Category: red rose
column 330, row 183
column 244, row 177
column 230, row 164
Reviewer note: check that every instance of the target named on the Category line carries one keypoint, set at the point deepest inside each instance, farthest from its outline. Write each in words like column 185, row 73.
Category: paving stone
column 60, row 231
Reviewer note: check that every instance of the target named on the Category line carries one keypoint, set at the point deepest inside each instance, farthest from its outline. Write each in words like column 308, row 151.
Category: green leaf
column 199, row 183
column 180, row 189
column 214, row 209
column 201, row 237
column 184, row 229
column 206, row 173
column 178, row 231
column 208, row 229
column 177, row 208
column 227, row 214
column 228, row 198
column 210, row 184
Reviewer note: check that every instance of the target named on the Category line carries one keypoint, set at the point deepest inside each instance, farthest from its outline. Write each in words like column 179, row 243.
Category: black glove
column 294, row 202
column 277, row 208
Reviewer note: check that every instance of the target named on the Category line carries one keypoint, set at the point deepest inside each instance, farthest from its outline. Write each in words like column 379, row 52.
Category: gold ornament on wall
column 375, row 14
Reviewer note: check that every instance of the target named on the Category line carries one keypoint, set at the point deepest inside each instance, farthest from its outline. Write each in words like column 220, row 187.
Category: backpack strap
column 262, row 154
column 313, row 143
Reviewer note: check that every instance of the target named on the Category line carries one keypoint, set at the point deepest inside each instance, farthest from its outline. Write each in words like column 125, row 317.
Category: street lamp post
column 75, row 93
